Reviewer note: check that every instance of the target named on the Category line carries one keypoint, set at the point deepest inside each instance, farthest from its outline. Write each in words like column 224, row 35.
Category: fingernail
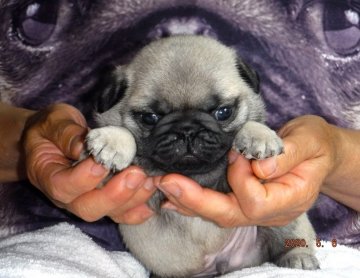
column 77, row 145
column 98, row 170
column 133, row 179
column 147, row 214
column 170, row 188
column 232, row 156
column 169, row 206
column 267, row 167
column 149, row 185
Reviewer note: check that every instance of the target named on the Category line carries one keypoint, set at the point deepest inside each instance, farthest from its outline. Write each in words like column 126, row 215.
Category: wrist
column 342, row 183
column 12, row 122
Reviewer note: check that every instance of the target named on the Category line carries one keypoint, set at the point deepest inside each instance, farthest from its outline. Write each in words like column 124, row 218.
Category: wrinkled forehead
column 176, row 90
column 194, row 80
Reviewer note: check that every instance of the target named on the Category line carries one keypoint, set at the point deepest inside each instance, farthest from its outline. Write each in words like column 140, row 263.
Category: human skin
column 276, row 190
column 52, row 141
column 12, row 121
column 268, row 192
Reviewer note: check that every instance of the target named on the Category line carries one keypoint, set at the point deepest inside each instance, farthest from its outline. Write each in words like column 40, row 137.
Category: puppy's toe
column 257, row 141
column 114, row 147
column 274, row 146
column 299, row 260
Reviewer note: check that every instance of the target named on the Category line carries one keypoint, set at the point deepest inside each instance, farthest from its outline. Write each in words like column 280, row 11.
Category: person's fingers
column 133, row 216
column 257, row 200
column 135, row 210
column 275, row 202
column 53, row 174
column 69, row 138
column 62, row 125
column 53, row 140
column 262, row 201
column 294, row 154
column 176, row 206
column 66, row 128
column 313, row 129
column 187, row 194
column 100, row 202
column 67, row 183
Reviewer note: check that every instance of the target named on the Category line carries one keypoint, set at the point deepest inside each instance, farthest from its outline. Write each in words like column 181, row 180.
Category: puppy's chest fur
column 179, row 246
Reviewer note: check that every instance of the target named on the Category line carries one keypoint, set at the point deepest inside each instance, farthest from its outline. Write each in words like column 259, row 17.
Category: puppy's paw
column 257, row 141
column 112, row 146
column 297, row 259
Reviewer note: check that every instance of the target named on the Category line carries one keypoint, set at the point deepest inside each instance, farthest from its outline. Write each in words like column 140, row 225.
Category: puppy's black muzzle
column 189, row 142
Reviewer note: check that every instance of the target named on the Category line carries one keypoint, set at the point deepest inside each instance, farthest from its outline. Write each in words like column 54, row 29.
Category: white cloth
column 64, row 251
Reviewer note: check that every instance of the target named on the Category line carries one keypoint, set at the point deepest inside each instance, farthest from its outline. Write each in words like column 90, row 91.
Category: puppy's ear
column 110, row 89
column 249, row 75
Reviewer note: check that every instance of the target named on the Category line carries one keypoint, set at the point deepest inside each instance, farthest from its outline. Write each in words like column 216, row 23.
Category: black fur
column 250, row 76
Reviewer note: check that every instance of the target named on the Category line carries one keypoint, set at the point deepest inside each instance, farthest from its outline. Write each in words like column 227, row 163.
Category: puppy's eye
column 150, row 118
column 223, row 113
column 36, row 21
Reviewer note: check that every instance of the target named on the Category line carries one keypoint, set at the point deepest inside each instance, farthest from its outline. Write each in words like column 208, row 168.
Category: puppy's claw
column 257, row 141
column 113, row 147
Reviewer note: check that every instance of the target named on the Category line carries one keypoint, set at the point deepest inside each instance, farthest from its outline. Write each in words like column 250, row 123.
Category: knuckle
column 31, row 172
column 55, row 191
column 254, row 212
column 35, row 167
column 55, row 188
column 63, row 110
column 40, row 175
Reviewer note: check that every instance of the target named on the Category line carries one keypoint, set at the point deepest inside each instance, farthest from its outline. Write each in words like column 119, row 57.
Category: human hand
column 269, row 192
column 53, row 141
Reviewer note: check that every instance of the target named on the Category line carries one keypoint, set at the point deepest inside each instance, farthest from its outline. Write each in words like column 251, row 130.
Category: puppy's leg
column 112, row 146
column 291, row 246
column 257, row 141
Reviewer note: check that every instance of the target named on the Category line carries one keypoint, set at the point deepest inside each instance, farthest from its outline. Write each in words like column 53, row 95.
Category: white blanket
column 64, row 251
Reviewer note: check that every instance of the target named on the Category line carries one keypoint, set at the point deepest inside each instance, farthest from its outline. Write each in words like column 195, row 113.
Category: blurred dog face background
column 305, row 52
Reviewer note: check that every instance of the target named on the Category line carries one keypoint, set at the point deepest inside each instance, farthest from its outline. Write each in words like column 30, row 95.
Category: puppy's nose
column 188, row 129
column 188, row 132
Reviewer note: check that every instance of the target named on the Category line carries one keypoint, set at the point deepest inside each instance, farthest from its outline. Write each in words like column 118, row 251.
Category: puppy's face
column 184, row 100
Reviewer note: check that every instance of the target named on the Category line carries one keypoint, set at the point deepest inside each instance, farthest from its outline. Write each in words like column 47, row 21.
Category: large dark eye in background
column 36, row 21
column 341, row 24
column 223, row 113
column 150, row 119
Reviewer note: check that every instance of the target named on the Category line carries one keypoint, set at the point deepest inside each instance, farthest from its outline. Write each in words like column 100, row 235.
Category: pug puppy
column 180, row 106
column 53, row 51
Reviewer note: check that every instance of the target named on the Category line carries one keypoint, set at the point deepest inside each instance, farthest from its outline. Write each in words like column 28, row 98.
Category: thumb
column 294, row 153
column 62, row 125
column 69, row 138
column 69, row 131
